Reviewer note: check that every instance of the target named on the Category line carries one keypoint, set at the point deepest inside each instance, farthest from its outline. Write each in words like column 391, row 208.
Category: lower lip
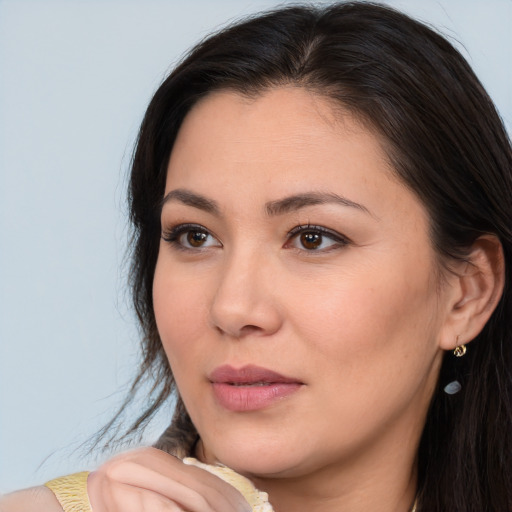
column 252, row 398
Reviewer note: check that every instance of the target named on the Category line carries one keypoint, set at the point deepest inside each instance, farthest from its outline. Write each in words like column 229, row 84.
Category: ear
column 475, row 289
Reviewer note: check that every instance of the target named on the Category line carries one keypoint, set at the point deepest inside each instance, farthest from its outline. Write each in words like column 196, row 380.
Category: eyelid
column 340, row 239
column 172, row 235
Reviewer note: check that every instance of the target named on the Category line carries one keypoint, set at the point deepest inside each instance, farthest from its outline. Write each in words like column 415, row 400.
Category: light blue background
column 75, row 77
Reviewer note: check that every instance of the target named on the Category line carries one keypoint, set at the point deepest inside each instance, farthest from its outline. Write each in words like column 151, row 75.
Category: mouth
column 250, row 388
column 249, row 384
column 248, row 375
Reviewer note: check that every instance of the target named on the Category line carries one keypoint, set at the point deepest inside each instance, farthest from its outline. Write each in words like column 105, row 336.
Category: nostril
column 249, row 329
column 246, row 330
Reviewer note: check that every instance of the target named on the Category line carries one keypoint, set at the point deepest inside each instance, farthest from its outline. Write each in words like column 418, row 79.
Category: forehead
column 276, row 113
column 287, row 130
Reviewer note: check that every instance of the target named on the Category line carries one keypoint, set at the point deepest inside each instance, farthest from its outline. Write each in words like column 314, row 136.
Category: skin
column 360, row 316
column 359, row 323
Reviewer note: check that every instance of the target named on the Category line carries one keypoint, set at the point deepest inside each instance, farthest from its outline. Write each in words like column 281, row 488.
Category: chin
column 261, row 457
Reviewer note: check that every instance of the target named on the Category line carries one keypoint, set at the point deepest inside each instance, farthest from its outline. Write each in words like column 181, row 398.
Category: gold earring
column 459, row 350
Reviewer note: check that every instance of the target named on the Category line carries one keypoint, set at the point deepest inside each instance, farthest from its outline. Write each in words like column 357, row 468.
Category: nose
column 245, row 302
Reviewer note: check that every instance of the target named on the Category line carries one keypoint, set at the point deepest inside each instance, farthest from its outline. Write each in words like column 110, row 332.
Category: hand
column 150, row 480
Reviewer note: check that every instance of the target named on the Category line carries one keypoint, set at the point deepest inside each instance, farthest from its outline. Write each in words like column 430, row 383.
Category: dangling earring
column 455, row 386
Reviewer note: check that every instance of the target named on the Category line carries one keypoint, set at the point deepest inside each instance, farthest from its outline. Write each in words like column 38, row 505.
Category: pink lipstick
column 250, row 388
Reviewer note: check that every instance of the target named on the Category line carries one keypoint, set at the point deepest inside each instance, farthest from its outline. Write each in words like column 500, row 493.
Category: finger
column 124, row 498
column 191, row 488
column 218, row 494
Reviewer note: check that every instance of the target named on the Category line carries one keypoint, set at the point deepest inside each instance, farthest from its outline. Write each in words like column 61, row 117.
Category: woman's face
column 295, row 290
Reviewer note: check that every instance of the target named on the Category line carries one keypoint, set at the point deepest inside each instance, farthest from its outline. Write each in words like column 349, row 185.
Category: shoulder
column 34, row 499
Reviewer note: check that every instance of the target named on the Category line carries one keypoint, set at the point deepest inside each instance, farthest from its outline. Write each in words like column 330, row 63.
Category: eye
column 315, row 238
column 190, row 236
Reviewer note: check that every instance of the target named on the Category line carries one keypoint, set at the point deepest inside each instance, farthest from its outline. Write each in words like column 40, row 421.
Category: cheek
column 180, row 312
column 374, row 313
column 371, row 340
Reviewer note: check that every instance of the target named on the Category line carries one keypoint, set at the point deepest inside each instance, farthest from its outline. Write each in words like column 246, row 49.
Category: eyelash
column 338, row 239
column 173, row 235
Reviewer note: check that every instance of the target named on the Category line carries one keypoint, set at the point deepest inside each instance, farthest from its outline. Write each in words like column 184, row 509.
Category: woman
column 322, row 209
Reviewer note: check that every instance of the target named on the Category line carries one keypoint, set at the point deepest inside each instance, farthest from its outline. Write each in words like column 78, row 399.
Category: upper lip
column 249, row 374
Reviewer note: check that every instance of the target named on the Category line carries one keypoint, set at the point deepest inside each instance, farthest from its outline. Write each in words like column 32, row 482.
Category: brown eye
column 311, row 240
column 190, row 237
column 196, row 238
column 316, row 239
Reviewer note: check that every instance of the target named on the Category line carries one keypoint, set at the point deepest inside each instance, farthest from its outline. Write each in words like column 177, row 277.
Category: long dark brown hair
column 446, row 142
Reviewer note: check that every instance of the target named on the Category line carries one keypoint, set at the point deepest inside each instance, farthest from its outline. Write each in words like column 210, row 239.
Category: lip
column 250, row 388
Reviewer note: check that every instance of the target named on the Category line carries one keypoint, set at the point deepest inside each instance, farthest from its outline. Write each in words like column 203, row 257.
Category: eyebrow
column 298, row 201
column 272, row 208
column 190, row 198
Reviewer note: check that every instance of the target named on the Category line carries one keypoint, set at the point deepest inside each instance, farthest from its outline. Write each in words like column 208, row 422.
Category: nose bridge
column 244, row 301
